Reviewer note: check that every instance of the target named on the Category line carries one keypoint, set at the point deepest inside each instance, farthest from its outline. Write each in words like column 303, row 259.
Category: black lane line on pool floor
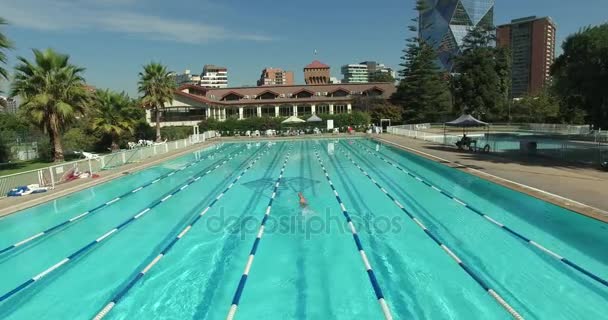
column 370, row 272
column 445, row 248
column 231, row 242
column 119, row 227
column 488, row 218
column 92, row 211
column 241, row 286
column 118, row 296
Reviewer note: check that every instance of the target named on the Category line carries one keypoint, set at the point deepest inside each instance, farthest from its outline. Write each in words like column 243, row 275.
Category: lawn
column 21, row 166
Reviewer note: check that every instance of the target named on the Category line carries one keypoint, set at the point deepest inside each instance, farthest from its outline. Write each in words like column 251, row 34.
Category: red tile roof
column 317, row 65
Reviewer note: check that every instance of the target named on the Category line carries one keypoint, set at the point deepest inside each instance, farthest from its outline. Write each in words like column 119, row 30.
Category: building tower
column 445, row 23
column 532, row 44
column 316, row 73
column 214, row 77
column 275, row 77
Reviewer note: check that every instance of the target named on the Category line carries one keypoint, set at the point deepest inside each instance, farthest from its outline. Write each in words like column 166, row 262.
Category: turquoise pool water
column 306, row 265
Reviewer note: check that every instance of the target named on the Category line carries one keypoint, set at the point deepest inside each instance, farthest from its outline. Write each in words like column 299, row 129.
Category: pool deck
column 13, row 204
column 578, row 188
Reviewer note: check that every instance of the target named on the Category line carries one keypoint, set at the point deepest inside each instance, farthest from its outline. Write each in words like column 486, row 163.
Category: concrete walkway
column 13, row 204
column 579, row 188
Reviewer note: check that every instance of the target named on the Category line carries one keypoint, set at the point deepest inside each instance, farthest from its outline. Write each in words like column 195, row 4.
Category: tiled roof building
column 192, row 104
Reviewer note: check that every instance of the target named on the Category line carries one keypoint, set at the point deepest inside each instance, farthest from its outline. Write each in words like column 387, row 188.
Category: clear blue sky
column 114, row 38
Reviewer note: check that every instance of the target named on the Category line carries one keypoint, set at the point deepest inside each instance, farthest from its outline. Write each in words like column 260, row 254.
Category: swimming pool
column 220, row 233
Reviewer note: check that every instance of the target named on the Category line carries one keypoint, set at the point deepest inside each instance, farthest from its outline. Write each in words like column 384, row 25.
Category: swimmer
column 303, row 202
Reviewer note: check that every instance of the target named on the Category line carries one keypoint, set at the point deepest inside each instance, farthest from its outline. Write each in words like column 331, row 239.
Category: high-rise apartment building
column 532, row 44
column 8, row 105
column 187, row 78
column 364, row 71
column 355, row 73
column 445, row 23
column 275, row 77
column 214, row 77
column 374, row 67
column 317, row 73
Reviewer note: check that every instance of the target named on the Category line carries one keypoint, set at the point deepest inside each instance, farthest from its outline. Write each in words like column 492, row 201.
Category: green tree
column 423, row 90
column 5, row 44
column 114, row 115
column 156, row 85
column 482, row 80
column 580, row 76
column 540, row 108
column 386, row 111
column 381, row 77
column 53, row 94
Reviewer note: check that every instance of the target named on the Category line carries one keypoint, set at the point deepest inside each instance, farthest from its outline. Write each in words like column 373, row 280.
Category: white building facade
column 193, row 104
column 355, row 73
column 187, row 78
column 214, row 77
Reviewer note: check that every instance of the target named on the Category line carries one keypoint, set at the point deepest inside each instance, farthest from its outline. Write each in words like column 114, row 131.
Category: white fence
column 51, row 176
column 416, row 131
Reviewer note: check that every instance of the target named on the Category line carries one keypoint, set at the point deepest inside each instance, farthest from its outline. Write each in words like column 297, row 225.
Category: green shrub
column 76, row 139
column 175, row 133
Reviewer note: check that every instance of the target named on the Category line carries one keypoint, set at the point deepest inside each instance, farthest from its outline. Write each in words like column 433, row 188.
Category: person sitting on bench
column 464, row 142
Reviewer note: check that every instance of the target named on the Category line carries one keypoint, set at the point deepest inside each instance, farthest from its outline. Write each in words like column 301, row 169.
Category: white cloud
column 61, row 15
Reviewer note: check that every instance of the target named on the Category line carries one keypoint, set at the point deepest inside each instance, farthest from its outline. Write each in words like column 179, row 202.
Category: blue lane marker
column 107, row 204
column 241, row 286
column 435, row 239
column 497, row 223
column 116, row 298
column 109, row 233
column 374, row 282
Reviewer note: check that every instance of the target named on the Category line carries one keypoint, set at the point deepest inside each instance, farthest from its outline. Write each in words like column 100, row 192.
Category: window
column 340, row 108
column 304, row 110
column 249, row 112
column 267, row 95
column 286, row 111
column 268, row 111
column 322, row 108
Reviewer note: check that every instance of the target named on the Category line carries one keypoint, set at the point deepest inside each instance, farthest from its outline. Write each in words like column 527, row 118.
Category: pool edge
column 563, row 202
column 55, row 194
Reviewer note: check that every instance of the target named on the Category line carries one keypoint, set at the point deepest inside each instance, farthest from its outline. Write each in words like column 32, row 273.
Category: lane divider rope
column 492, row 220
column 120, row 294
column 436, row 239
column 90, row 212
column 368, row 267
column 241, row 286
column 119, row 227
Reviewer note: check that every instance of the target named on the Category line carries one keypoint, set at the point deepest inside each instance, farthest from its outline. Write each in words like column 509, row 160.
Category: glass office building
column 446, row 22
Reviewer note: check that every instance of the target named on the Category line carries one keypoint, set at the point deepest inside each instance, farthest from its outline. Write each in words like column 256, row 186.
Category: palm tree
column 114, row 115
column 53, row 93
column 5, row 44
column 156, row 86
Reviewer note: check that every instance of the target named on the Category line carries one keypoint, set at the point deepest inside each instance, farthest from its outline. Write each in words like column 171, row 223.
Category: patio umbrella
column 465, row 121
column 314, row 118
column 293, row 119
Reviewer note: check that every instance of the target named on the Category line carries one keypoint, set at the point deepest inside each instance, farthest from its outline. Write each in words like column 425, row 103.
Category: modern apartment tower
column 214, row 77
column 364, row 71
column 445, row 23
column 187, row 78
column 532, row 44
column 8, row 105
column 275, row 77
column 355, row 73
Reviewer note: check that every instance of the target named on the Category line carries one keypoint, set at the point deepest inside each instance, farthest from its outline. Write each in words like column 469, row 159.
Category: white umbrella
column 293, row 119
column 314, row 118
